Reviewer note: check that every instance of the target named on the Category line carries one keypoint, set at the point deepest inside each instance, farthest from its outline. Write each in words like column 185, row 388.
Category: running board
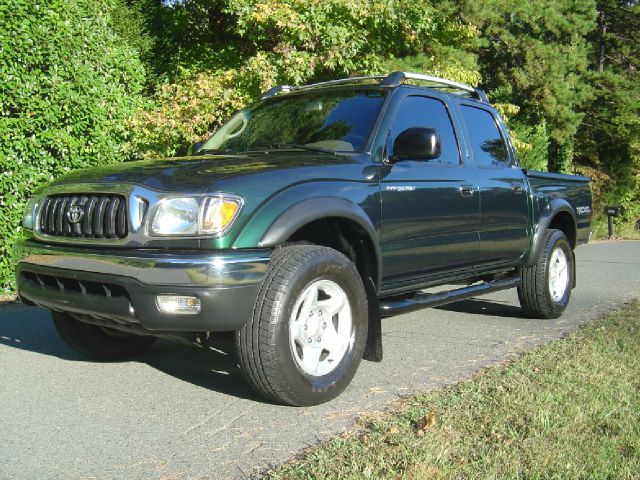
column 420, row 300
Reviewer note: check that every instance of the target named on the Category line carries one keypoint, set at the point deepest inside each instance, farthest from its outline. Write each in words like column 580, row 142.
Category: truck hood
column 200, row 173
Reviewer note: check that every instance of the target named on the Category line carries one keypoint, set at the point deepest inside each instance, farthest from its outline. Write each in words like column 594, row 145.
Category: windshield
column 327, row 121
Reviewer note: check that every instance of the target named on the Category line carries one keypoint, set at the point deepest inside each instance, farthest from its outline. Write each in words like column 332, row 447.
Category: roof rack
column 396, row 78
column 276, row 90
column 289, row 88
column 390, row 80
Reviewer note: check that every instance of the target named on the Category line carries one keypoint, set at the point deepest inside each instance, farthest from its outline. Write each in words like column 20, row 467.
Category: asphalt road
column 180, row 412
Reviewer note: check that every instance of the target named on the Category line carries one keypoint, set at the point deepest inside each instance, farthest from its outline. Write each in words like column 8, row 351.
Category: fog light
column 178, row 304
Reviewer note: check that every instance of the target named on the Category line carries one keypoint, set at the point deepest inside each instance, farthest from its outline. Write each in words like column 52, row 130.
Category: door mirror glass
column 418, row 143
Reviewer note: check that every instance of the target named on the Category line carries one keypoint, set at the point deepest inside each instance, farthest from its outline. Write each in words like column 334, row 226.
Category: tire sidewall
column 305, row 389
column 558, row 240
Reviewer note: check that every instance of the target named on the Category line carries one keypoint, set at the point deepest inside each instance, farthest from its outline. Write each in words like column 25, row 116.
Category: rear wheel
column 546, row 286
column 99, row 343
column 307, row 334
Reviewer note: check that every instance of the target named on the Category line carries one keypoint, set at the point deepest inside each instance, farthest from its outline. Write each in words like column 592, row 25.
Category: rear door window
column 487, row 143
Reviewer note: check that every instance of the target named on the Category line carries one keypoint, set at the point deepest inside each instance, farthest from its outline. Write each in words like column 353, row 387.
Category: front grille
column 84, row 215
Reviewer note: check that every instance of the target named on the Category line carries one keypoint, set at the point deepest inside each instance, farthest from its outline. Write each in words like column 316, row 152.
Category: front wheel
column 546, row 286
column 307, row 334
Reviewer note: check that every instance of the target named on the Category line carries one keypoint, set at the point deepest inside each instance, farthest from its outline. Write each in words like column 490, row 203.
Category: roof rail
column 289, row 88
column 396, row 78
column 343, row 80
column 392, row 79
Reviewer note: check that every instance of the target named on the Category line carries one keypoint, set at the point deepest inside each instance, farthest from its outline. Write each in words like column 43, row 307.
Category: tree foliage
column 68, row 85
column 609, row 136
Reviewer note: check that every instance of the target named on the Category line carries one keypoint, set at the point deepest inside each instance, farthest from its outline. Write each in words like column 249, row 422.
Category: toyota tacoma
column 298, row 225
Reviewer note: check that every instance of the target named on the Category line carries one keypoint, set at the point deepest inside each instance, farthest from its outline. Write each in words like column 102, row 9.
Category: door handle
column 467, row 190
column 517, row 187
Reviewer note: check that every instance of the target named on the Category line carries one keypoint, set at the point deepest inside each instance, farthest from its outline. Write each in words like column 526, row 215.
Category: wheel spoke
column 298, row 329
column 308, row 303
column 332, row 305
column 298, row 334
column 331, row 340
column 311, row 358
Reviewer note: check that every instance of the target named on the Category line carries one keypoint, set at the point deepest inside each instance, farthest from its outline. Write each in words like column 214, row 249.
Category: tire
column 546, row 287
column 99, row 343
column 305, row 339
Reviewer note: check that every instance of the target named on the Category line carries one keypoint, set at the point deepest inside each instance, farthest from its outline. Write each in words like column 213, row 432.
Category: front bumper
column 121, row 285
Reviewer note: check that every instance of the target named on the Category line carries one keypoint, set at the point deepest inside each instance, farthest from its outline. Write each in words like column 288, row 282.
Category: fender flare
column 307, row 211
column 554, row 207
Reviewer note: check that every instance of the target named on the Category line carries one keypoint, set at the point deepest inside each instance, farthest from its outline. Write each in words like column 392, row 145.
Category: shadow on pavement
column 216, row 369
column 484, row 307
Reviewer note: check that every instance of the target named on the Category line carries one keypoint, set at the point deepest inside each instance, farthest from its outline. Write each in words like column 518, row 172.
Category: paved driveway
column 180, row 412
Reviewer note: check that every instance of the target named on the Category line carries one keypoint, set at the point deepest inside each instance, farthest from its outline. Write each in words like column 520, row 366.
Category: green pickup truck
column 298, row 225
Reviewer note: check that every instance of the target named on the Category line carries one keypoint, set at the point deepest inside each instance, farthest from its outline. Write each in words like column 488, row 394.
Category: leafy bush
column 184, row 112
column 69, row 82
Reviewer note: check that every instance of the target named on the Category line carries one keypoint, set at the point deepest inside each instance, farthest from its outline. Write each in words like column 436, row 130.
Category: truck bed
column 547, row 187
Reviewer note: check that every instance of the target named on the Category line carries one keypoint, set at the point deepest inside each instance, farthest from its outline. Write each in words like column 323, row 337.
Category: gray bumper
column 121, row 285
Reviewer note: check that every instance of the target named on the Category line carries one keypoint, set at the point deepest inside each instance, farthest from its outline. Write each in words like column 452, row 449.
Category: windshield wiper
column 283, row 146
column 303, row 147
column 213, row 151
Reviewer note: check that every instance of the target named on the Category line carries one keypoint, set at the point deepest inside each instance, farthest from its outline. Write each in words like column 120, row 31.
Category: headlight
column 176, row 216
column 189, row 216
column 29, row 215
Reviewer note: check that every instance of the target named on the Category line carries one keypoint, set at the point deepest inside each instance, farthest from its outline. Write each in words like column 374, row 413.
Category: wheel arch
column 559, row 215
column 352, row 222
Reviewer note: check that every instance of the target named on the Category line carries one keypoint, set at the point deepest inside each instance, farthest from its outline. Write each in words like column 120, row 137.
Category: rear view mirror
column 418, row 143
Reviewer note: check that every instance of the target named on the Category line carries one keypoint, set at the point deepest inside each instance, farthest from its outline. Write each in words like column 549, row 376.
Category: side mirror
column 418, row 143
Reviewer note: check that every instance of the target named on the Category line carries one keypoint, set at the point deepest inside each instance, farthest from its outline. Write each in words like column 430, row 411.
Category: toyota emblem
column 75, row 213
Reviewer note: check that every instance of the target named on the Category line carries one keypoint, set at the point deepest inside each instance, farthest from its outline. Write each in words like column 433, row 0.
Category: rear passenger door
column 504, row 207
column 430, row 209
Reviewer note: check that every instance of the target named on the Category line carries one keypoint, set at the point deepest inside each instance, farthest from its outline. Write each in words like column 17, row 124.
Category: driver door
column 430, row 209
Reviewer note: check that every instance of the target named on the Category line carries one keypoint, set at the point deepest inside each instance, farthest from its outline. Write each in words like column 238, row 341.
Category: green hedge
column 68, row 84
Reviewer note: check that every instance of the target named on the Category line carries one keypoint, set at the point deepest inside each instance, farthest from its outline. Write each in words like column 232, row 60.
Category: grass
column 570, row 409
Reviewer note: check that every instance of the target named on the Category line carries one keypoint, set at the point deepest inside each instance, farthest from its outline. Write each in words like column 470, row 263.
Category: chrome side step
column 420, row 300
